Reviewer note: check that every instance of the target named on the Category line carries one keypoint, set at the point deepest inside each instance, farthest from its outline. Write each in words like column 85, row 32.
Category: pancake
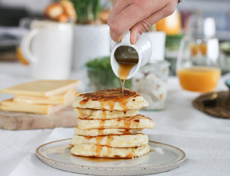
column 100, row 114
column 100, row 132
column 91, row 150
column 138, row 121
column 111, row 99
column 135, row 140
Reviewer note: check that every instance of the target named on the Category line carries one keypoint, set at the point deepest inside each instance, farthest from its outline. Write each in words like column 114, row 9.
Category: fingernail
column 136, row 37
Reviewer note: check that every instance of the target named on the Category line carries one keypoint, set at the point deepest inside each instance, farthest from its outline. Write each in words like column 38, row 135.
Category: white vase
column 158, row 46
column 90, row 41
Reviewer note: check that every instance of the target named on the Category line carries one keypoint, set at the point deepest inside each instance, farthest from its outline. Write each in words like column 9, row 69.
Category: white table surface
column 205, row 139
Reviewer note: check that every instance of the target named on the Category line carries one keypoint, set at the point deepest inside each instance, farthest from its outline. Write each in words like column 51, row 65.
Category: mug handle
column 26, row 43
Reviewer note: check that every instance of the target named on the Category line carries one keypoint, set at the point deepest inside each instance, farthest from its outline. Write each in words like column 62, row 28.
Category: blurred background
column 91, row 40
column 62, row 39
column 12, row 11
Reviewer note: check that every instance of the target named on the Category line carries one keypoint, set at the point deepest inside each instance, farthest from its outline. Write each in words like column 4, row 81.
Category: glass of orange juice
column 197, row 63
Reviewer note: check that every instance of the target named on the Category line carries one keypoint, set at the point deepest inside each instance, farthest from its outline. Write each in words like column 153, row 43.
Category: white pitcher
column 143, row 48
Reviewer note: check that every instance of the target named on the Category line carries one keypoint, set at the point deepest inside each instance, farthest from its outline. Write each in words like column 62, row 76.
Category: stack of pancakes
column 109, row 125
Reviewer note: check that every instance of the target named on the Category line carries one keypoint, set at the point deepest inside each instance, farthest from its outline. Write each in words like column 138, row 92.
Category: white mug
column 143, row 48
column 48, row 48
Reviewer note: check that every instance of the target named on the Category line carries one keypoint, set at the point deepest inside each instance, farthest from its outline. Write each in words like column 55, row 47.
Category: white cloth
column 205, row 139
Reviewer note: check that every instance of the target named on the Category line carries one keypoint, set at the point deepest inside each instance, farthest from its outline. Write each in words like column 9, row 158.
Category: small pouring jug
column 142, row 51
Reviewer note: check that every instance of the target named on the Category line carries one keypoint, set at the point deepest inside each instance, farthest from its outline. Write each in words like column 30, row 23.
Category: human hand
column 137, row 16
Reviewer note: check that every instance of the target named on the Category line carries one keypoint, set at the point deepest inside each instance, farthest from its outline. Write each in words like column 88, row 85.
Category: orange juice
column 199, row 79
column 171, row 25
column 199, row 49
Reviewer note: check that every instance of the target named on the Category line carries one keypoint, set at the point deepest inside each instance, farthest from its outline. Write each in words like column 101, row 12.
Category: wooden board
column 26, row 121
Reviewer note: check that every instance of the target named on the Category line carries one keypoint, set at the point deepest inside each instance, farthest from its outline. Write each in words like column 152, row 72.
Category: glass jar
column 151, row 82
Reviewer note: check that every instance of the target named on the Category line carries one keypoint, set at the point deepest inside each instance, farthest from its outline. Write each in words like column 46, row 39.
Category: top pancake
column 111, row 99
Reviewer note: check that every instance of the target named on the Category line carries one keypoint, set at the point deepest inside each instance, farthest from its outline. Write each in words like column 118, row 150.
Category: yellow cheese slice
column 52, row 100
column 9, row 105
column 42, row 88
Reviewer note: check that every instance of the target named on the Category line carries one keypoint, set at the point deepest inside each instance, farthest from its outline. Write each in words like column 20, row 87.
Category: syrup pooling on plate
column 101, row 160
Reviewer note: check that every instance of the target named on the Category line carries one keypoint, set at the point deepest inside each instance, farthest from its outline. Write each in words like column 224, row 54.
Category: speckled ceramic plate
column 161, row 158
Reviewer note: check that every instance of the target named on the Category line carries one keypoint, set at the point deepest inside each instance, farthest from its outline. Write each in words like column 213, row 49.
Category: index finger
column 130, row 16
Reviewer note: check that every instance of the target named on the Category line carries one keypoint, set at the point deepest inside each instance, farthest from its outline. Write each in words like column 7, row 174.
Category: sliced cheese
column 52, row 100
column 61, row 96
column 9, row 105
column 41, row 88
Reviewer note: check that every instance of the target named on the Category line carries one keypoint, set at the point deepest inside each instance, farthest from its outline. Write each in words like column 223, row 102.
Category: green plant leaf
column 86, row 10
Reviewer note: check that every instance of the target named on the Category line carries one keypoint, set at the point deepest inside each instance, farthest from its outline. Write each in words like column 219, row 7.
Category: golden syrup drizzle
column 100, row 132
column 123, row 86
column 87, row 137
column 104, row 114
column 98, row 150
column 101, row 129
column 123, row 103
column 125, row 66
column 151, row 150
column 127, row 123
column 109, row 140
column 99, row 139
column 98, row 146
column 125, row 113
column 103, row 104
column 129, row 155
column 109, row 98
column 109, row 151
column 102, row 123
column 108, row 144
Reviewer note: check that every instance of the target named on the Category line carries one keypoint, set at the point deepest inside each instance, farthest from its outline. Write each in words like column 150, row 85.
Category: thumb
column 137, row 30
